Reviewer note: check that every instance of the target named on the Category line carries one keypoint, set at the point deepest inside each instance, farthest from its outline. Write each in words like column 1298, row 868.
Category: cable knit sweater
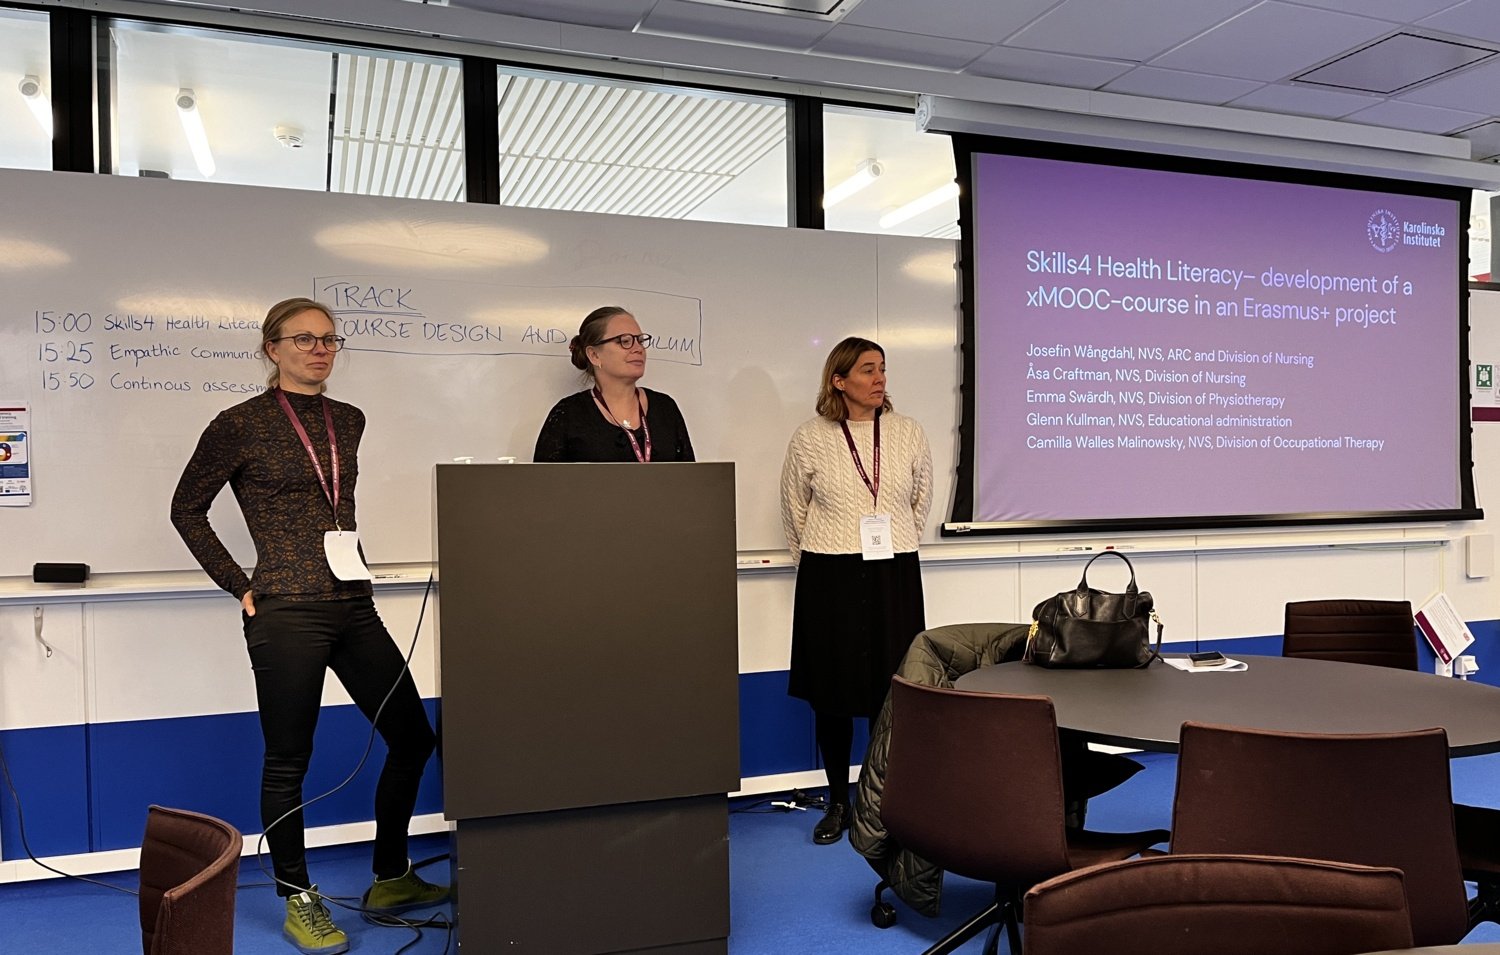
column 823, row 498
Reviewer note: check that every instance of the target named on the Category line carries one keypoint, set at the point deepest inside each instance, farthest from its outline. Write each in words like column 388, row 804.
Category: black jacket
column 937, row 658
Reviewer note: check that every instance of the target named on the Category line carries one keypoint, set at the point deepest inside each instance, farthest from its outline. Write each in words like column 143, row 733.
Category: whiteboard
column 132, row 309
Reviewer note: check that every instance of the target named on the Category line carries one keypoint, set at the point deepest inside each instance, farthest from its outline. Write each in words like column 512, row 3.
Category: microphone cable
column 348, row 903
column 343, row 902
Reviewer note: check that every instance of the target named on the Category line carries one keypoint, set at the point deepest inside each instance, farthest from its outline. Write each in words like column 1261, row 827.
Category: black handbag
column 1084, row 627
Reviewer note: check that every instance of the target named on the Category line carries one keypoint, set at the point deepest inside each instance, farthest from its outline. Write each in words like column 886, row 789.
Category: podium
column 588, row 669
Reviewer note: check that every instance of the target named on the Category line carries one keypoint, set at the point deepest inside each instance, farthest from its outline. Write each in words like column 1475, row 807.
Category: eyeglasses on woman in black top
column 306, row 341
column 628, row 340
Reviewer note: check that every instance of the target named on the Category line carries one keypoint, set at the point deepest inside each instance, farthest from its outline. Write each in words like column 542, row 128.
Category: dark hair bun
column 578, row 352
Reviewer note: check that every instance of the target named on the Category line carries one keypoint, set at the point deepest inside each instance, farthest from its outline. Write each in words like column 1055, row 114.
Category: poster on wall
column 15, row 454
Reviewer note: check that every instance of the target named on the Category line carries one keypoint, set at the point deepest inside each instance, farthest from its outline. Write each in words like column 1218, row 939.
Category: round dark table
column 1145, row 709
column 1485, row 948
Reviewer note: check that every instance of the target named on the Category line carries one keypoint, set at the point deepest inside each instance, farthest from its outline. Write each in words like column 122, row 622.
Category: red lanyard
column 874, row 485
column 333, row 450
column 634, row 444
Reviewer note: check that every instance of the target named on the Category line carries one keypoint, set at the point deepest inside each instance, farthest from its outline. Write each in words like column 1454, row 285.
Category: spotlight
column 31, row 90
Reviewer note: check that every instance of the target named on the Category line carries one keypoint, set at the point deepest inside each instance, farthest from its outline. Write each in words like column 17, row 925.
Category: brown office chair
column 974, row 784
column 1380, row 633
column 1376, row 632
column 1227, row 905
column 1378, row 799
column 189, row 867
column 1479, row 852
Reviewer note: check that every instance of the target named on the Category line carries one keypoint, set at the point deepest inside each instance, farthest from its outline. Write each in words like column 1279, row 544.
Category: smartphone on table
column 1210, row 658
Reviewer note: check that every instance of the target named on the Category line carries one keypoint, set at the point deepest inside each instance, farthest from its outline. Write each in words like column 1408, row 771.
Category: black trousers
column 291, row 644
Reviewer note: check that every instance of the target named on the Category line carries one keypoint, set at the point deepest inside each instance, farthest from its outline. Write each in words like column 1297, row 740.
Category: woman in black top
column 614, row 420
column 291, row 456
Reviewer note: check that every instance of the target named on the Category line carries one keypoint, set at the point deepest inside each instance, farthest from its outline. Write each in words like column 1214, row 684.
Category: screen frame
column 961, row 523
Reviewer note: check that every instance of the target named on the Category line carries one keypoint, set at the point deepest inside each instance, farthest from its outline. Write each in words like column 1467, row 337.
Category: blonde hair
column 276, row 318
column 840, row 362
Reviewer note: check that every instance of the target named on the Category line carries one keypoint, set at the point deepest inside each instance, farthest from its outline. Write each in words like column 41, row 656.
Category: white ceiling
column 729, row 159
column 1238, row 53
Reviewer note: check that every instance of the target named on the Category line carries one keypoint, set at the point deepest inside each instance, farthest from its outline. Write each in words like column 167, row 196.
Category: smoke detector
column 289, row 136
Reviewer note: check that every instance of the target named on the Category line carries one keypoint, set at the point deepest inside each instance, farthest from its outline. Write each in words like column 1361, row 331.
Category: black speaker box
column 59, row 573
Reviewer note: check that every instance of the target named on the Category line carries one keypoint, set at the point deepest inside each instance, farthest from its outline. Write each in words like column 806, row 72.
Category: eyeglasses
column 627, row 341
column 306, row 341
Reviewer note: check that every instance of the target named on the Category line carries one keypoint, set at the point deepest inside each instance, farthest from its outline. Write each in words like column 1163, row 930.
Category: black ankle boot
column 831, row 827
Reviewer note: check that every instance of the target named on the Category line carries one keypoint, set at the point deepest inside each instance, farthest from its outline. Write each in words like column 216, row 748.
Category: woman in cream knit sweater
column 855, row 491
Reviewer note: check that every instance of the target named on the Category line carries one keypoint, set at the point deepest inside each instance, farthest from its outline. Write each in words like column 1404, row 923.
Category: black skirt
column 852, row 622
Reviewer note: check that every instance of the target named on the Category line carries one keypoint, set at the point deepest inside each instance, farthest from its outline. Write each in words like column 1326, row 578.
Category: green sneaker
column 309, row 927
column 405, row 892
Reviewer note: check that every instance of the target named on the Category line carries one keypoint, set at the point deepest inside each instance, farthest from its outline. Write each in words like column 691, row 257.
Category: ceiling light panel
column 1395, row 63
column 821, row 9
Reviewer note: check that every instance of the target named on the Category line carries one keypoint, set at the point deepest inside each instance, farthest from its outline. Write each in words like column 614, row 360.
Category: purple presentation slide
column 1153, row 344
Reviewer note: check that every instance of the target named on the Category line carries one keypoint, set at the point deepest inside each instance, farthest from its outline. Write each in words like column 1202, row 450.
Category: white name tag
column 342, row 549
column 875, row 537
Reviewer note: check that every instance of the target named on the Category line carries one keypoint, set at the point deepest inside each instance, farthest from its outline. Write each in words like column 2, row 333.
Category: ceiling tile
column 984, row 20
column 1398, row 11
column 1177, row 85
column 1476, row 19
column 1395, row 63
column 1032, row 67
column 1472, row 89
column 1304, row 101
column 1108, row 28
column 1272, row 41
column 908, row 48
column 1422, row 119
column 739, row 26
column 620, row 14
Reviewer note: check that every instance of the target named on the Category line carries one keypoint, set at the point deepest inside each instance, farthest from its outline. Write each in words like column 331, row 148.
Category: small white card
column 342, row 549
column 875, row 537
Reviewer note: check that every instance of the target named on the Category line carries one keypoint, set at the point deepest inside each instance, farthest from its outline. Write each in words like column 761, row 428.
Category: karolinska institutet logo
column 1386, row 231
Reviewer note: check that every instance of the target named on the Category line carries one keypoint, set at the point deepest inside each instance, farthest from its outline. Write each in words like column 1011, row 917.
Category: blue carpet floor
column 787, row 894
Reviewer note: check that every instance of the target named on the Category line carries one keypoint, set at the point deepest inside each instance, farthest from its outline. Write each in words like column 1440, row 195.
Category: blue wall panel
column 212, row 764
column 776, row 733
column 49, row 769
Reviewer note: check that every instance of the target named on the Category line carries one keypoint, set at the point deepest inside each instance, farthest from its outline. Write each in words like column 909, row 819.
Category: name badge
column 342, row 550
column 875, row 537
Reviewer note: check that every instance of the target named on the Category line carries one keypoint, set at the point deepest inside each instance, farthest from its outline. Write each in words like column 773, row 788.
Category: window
column 226, row 107
column 25, row 91
column 899, row 181
column 615, row 146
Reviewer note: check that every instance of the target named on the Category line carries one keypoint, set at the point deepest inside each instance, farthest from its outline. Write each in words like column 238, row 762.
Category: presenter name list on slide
column 1200, row 442
column 1104, row 354
column 1176, row 270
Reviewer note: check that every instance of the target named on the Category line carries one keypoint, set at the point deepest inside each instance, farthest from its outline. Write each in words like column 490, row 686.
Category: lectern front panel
column 587, row 634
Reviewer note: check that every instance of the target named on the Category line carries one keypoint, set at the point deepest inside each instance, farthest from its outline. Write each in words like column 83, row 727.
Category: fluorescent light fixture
column 192, row 127
column 40, row 106
column 917, row 206
column 864, row 174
